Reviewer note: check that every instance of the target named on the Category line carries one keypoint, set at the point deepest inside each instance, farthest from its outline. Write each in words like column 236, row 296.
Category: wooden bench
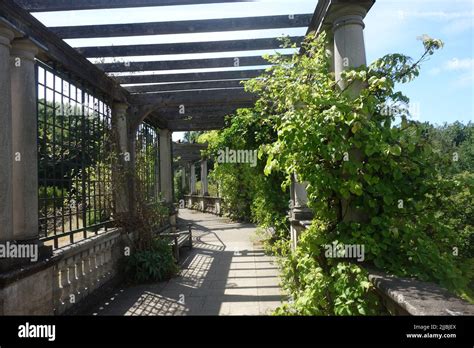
column 179, row 239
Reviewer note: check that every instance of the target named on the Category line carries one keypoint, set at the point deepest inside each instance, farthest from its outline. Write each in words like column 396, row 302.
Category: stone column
column 299, row 209
column 24, row 133
column 349, row 46
column 204, row 182
column 349, row 52
column 6, row 153
column 123, row 166
column 300, row 201
column 193, row 179
column 157, row 173
column 183, row 177
column 166, row 170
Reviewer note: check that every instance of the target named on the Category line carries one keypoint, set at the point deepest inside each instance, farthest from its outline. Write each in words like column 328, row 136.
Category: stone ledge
column 12, row 276
column 414, row 297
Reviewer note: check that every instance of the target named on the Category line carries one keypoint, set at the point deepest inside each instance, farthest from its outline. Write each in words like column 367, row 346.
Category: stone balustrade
column 206, row 204
column 60, row 283
column 83, row 269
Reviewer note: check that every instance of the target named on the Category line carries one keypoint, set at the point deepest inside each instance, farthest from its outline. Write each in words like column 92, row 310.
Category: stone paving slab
column 224, row 274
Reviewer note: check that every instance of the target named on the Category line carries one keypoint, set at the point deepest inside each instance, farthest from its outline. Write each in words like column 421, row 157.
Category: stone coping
column 59, row 254
column 200, row 197
column 416, row 297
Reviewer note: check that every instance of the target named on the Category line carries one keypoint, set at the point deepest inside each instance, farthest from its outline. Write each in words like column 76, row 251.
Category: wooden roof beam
column 184, row 48
column 183, row 64
column 187, row 77
column 185, row 86
column 68, row 5
column 183, row 27
column 190, row 98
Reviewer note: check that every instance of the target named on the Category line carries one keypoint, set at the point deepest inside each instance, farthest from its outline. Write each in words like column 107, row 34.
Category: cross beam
column 214, row 75
column 184, row 48
column 199, row 117
column 183, row 27
column 185, row 86
column 183, row 64
column 199, row 97
column 68, row 5
column 199, row 112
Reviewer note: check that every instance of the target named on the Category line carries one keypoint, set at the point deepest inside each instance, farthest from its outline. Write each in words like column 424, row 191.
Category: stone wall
column 207, row 204
column 55, row 285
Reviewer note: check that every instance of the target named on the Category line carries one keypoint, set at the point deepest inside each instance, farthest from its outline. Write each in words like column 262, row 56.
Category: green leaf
column 355, row 188
column 395, row 150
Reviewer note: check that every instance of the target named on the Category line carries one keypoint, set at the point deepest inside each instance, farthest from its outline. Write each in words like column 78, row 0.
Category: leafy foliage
column 247, row 194
column 375, row 178
column 153, row 264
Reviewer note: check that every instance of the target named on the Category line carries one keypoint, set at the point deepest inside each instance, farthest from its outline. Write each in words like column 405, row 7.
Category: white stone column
column 6, row 153
column 204, row 182
column 166, row 170
column 24, row 134
column 349, row 52
column 193, row 179
column 121, row 174
column 349, row 46
column 299, row 197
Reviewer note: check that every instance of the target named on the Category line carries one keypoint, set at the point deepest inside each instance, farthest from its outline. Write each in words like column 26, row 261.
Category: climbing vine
column 374, row 179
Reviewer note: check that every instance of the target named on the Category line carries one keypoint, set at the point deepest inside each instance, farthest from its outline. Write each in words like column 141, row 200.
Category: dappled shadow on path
column 224, row 274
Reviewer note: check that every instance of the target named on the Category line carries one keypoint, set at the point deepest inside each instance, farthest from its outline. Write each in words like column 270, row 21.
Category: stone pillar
column 166, row 170
column 204, row 182
column 183, row 177
column 349, row 52
column 24, row 134
column 6, row 158
column 349, row 46
column 193, row 179
column 121, row 173
column 300, row 201
column 157, row 173
column 300, row 211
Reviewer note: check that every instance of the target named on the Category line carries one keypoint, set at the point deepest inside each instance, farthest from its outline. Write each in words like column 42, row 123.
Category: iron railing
column 147, row 161
column 74, row 164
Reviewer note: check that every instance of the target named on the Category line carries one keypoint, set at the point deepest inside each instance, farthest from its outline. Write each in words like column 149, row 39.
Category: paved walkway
column 226, row 273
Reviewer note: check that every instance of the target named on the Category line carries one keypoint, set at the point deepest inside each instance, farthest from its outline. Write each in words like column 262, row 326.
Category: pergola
column 137, row 91
column 178, row 102
column 130, row 96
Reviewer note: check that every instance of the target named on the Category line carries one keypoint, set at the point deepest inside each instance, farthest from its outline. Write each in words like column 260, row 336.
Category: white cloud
column 461, row 70
column 460, row 64
column 442, row 15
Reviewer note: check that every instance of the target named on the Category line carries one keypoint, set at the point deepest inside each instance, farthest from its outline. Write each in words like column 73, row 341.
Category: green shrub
column 151, row 265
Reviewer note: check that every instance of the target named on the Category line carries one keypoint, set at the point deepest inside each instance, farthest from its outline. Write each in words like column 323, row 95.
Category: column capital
column 349, row 14
column 24, row 48
column 165, row 132
column 6, row 36
column 119, row 106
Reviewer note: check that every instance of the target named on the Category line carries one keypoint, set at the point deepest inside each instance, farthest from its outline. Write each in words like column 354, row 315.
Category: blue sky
column 444, row 92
